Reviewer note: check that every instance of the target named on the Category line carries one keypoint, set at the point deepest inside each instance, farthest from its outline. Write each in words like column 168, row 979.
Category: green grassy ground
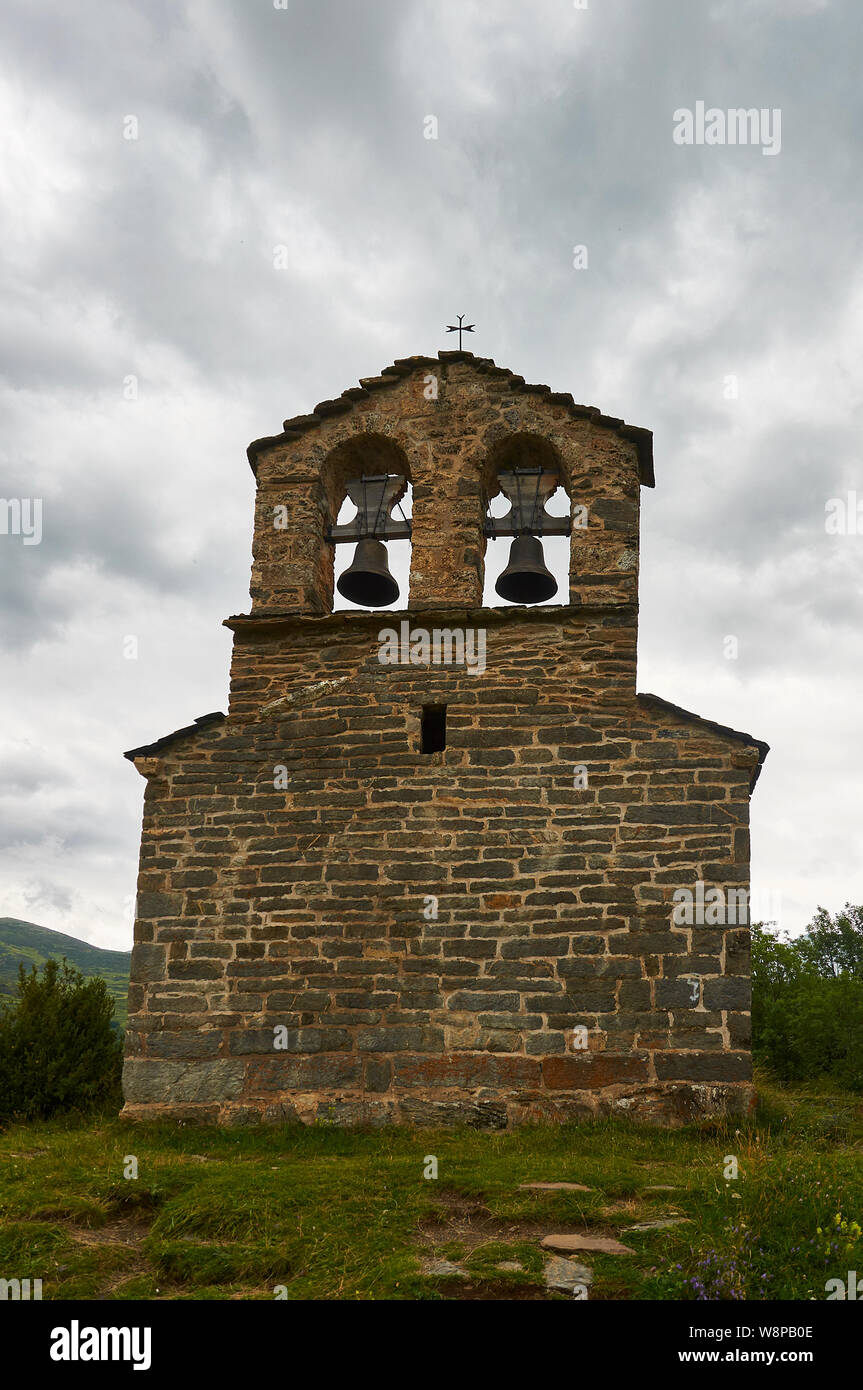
column 344, row 1214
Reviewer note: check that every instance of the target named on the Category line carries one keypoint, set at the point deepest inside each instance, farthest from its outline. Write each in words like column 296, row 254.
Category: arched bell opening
column 368, row 492
column 527, row 525
column 374, row 556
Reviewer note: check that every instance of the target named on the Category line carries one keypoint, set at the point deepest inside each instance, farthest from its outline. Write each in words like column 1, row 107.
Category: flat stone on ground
column 442, row 1269
column 659, row 1224
column 553, row 1187
column 510, row 1266
column 605, row 1245
column 566, row 1274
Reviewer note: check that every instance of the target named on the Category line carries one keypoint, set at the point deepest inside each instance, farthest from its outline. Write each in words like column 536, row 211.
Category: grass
column 327, row 1213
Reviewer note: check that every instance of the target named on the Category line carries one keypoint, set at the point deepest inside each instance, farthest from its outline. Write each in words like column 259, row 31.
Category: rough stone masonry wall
column 304, row 907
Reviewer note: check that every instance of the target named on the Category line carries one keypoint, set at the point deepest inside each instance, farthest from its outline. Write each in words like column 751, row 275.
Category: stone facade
column 334, row 925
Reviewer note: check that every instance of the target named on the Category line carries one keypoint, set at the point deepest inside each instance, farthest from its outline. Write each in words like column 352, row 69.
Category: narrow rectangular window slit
column 433, row 729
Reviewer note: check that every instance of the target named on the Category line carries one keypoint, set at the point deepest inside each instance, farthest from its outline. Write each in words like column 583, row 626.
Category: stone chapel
column 396, row 883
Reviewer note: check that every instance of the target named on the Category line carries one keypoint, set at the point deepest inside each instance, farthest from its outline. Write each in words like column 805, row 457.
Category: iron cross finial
column 460, row 328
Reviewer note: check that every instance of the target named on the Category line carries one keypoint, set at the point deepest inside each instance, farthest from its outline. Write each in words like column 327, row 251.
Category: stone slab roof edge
column 403, row 366
column 724, row 729
column 148, row 749
column 384, row 617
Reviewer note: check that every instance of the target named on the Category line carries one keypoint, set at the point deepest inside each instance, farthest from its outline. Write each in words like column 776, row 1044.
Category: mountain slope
column 23, row 943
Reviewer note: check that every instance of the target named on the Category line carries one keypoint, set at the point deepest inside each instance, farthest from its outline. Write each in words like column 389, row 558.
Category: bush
column 807, row 1000
column 58, row 1049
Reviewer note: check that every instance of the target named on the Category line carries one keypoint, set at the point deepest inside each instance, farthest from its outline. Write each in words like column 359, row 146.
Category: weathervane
column 460, row 328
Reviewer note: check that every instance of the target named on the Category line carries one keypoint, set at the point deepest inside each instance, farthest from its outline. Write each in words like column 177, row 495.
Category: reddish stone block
column 593, row 1071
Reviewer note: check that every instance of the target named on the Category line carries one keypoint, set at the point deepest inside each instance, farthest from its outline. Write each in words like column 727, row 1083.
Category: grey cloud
column 258, row 127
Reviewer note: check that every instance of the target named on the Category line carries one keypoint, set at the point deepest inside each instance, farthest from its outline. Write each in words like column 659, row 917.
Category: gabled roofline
column 148, row 749
column 403, row 366
column 723, row 729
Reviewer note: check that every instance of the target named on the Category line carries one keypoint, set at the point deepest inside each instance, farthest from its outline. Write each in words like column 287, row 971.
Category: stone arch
column 523, row 449
column 360, row 453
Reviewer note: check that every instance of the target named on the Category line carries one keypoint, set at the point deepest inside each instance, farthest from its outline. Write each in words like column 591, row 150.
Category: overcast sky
column 721, row 307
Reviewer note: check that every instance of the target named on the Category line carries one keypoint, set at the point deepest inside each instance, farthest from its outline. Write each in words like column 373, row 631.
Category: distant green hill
column 23, row 943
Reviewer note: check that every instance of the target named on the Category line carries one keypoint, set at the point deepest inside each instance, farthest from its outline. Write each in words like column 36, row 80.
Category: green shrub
column 807, row 1000
column 58, row 1049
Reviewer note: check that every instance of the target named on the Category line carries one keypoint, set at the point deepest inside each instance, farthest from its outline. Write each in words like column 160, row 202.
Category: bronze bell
column 367, row 580
column 526, row 578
